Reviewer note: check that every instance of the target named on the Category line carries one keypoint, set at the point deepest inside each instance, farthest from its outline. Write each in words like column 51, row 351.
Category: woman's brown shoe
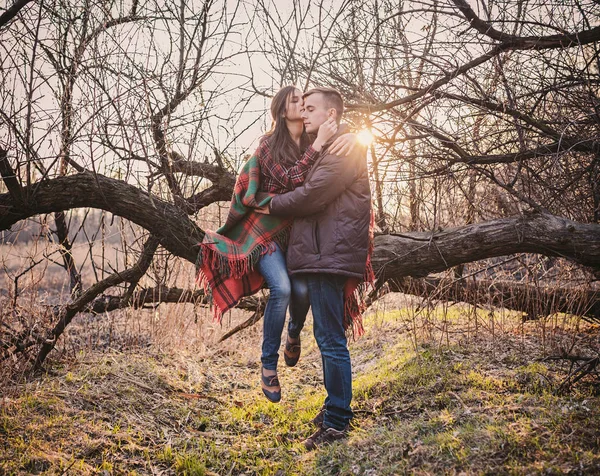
column 270, row 386
column 291, row 352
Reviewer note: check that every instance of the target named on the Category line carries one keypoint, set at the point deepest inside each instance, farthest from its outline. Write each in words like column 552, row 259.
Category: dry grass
column 428, row 399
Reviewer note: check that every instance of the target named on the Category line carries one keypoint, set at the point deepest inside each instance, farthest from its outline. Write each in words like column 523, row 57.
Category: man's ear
column 332, row 113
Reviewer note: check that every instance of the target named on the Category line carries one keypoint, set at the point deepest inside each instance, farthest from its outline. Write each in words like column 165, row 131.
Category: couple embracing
column 300, row 222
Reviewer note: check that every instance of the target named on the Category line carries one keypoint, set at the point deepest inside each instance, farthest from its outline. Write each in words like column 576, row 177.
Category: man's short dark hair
column 332, row 97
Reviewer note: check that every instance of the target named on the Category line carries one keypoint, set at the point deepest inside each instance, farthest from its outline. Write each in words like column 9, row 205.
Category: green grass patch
column 420, row 408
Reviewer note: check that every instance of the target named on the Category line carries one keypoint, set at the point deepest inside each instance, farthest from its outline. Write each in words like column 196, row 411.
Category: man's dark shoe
column 270, row 386
column 318, row 420
column 291, row 352
column 325, row 436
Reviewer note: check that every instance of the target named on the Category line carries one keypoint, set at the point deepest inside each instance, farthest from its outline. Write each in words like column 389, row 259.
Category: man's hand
column 263, row 210
column 326, row 131
column 344, row 145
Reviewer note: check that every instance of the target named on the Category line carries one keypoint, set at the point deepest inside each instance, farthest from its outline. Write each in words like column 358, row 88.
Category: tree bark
column 565, row 40
column 534, row 302
column 12, row 11
column 418, row 254
column 412, row 254
column 171, row 225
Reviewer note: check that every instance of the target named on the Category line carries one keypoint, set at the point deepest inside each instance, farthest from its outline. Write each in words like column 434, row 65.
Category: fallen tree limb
column 419, row 254
column 147, row 296
column 534, row 302
column 170, row 224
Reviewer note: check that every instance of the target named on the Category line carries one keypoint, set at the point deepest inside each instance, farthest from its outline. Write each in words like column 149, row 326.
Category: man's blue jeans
column 273, row 268
column 326, row 295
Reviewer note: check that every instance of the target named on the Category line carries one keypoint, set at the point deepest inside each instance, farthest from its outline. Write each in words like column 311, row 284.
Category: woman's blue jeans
column 299, row 305
column 282, row 292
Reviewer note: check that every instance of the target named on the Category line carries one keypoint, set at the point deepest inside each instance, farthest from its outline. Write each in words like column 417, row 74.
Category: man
column 328, row 245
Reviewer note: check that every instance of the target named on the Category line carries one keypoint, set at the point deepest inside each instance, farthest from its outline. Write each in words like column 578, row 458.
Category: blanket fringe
column 238, row 267
column 233, row 267
column 354, row 307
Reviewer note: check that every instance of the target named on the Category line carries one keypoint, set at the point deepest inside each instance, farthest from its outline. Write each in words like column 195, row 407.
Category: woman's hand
column 326, row 131
column 344, row 145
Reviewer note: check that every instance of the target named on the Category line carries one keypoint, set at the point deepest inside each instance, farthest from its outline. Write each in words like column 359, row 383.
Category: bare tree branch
column 12, row 11
column 566, row 40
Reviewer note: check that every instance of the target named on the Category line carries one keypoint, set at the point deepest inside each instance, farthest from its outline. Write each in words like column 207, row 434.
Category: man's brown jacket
column 331, row 213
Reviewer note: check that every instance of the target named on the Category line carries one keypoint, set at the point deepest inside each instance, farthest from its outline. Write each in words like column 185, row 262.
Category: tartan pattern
column 276, row 177
column 226, row 262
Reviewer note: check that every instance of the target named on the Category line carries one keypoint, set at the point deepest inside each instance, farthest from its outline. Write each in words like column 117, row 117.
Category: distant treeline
column 82, row 228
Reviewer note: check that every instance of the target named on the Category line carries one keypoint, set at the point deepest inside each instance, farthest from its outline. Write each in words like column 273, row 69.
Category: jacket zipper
column 316, row 238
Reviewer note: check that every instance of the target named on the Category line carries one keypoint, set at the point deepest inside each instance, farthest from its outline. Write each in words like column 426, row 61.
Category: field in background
column 101, row 244
column 31, row 268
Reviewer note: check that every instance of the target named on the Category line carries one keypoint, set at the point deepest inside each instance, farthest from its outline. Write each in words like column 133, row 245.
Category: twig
column 247, row 323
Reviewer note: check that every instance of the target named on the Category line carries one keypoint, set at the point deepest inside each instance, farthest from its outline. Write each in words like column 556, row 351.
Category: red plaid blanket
column 226, row 261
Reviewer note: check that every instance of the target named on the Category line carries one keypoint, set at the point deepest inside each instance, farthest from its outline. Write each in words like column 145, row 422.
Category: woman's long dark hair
column 283, row 148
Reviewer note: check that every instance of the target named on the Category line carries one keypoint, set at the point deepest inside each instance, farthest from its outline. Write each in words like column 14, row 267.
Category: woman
column 285, row 156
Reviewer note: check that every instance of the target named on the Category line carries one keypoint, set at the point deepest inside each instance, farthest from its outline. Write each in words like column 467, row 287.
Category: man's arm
column 330, row 178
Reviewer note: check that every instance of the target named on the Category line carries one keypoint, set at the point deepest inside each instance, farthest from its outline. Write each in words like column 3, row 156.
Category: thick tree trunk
column 169, row 223
column 418, row 254
column 412, row 254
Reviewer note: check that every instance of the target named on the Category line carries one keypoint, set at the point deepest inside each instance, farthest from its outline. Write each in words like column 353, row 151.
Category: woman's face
column 294, row 106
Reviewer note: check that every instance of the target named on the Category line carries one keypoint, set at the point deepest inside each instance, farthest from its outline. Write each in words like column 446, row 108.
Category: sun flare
column 365, row 137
